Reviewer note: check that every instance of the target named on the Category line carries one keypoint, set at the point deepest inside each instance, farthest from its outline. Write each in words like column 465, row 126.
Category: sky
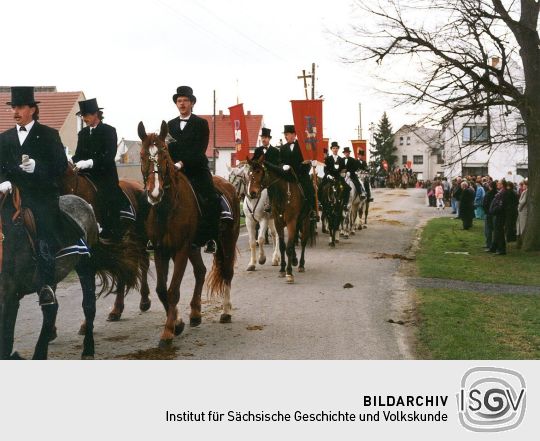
column 132, row 56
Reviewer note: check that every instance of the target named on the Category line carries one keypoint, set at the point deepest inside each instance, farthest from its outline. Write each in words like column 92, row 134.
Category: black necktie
column 22, row 129
column 184, row 120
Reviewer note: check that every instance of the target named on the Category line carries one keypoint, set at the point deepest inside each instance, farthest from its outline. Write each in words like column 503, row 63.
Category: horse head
column 157, row 167
column 255, row 177
column 237, row 177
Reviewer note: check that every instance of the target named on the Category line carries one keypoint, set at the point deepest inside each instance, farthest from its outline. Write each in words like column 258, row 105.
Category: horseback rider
column 271, row 156
column 333, row 166
column 190, row 135
column 352, row 165
column 32, row 157
column 364, row 167
column 95, row 153
column 291, row 158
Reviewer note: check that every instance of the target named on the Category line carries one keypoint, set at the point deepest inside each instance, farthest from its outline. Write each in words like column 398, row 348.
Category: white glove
column 179, row 165
column 84, row 164
column 286, row 167
column 5, row 187
column 330, row 177
column 336, row 166
column 314, row 163
column 29, row 166
column 348, row 173
column 70, row 160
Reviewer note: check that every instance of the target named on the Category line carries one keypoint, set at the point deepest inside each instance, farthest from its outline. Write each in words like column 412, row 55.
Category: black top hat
column 289, row 128
column 184, row 91
column 88, row 107
column 346, row 150
column 334, row 144
column 22, row 96
column 266, row 132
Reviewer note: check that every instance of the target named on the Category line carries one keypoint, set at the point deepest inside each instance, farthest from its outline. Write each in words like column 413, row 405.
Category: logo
column 491, row 399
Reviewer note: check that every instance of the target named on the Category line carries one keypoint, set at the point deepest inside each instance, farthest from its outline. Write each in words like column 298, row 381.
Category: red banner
column 239, row 126
column 307, row 115
column 360, row 149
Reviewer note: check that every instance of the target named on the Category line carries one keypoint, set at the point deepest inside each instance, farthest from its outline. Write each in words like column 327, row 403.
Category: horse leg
column 9, row 307
column 366, row 211
column 145, row 303
column 275, row 242
column 282, row 249
column 252, row 232
column 199, row 270
column 49, row 318
column 173, row 325
column 305, row 235
column 87, row 278
column 261, row 239
column 161, row 261
column 118, row 307
column 291, row 238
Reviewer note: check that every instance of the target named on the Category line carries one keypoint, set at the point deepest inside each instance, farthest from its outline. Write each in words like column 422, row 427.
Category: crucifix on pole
column 304, row 76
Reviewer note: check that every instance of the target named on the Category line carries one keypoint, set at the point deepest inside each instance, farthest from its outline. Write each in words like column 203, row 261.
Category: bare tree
column 454, row 42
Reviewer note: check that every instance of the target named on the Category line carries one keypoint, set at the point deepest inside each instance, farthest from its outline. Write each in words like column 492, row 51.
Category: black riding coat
column 294, row 158
column 190, row 144
column 271, row 154
column 39, row 190
column 330, row 166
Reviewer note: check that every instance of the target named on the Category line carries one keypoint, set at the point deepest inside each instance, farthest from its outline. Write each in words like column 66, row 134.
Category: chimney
column 249, row 112
column 495, row 61
column 221, row 113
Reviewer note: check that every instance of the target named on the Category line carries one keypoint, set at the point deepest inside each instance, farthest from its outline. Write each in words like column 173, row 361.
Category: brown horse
column 172, row 224
column 289, row 209
column 78, row 184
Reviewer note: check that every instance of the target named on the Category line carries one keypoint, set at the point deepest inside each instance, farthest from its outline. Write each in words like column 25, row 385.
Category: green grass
column 445, row 234
column 466, row 325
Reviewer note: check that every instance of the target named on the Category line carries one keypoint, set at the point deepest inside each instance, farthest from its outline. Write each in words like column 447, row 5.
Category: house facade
column 419, row 148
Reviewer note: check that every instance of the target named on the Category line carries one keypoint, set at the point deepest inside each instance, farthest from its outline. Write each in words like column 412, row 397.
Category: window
column 522, row 171
column 418, row 159
column 408, row 140
column 440, row 159
column 521, row 133
column 401, row 140
column 475, row 171
column 472, row 134
column 404, row 159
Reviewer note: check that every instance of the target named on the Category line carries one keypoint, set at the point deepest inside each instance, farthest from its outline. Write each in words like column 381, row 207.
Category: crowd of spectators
column 501, row 206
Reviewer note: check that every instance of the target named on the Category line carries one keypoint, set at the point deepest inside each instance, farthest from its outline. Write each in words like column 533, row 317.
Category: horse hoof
column 54, row 334
column 364, row 227
column 352, row 233
column 250, row 268
column 16, row 356
column 179, row 328
column 282, row 274
column 275, row 263
column 87, row 357
column 195, row 321
column 114, row 317
column 295, row 261
column 82, row 329
column 165, row 344
column 332, row 244
column 262, row 260
column 225, row 318
column 346, row 236
column 337, row 240
column 290, row 279
column 145, row 306
column 301, row 269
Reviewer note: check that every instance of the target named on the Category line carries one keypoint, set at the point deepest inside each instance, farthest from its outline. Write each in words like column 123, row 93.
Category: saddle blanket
column 127, row 211
column 79, row 248
column 226, row 210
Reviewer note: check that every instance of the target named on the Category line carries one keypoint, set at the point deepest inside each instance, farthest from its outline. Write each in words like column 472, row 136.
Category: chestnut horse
column 172, row 224
column 78, row 184
column 289, row 209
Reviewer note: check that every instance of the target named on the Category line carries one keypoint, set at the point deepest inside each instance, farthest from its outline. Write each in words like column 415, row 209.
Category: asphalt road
column 316, row 318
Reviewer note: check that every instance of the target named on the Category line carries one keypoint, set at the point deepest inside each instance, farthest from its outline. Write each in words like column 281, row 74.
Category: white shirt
column 335, row 158
column 24, row 133
column 292, row 145
column 183, row 123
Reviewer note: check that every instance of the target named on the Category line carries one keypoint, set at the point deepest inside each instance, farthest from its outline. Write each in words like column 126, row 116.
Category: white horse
column 254, row 212
column 352, row 219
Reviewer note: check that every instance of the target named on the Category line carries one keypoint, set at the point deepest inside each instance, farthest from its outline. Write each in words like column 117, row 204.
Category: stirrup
column 210, row 247
column 46, row 296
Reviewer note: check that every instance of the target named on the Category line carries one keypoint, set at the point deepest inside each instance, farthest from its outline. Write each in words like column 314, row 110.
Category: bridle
column 238, row 181
column 154, row 151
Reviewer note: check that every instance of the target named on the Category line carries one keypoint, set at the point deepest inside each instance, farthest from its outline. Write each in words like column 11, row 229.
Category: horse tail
column 222, row 272
column 118, row 262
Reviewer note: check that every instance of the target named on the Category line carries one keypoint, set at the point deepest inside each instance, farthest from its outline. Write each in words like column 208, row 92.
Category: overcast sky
column 132, row 56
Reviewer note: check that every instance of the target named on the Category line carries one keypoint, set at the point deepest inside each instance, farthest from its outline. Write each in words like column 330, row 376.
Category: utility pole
column 214, row 134
column 312, row 81
column 360, row 121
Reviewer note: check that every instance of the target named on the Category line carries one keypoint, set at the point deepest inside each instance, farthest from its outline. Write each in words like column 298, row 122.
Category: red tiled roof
column 54, row 108
column 224, row 131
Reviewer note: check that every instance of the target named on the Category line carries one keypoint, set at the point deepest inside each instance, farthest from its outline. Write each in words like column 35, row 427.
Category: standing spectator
column 488, row 219
column 466, row 205
column 523, row 207
column 511, row 214
column 497, row 210
column 479, row 201
column 457, row 195
column 439, row 195
column 446, row 187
